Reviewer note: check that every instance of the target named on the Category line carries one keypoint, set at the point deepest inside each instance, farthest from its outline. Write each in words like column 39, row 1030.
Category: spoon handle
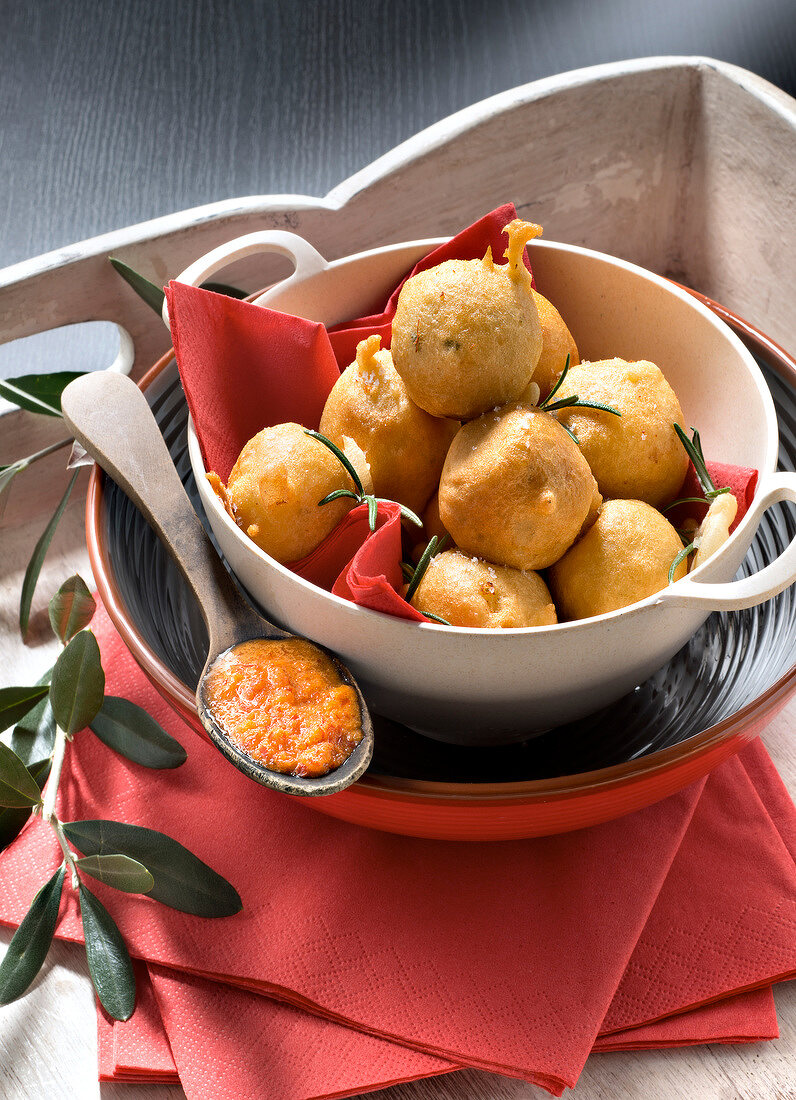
column 111, row 418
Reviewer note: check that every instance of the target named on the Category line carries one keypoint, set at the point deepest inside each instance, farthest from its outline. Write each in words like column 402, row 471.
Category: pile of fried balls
column 552, row 515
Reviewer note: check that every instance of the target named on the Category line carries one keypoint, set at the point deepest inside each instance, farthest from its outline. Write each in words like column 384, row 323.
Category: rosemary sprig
column 425, row 559
column 338, row 454
column 360, row 495
column 436, row 618
column 688, row 500
column 680, row 557
column 693, row 448
column 573, row 401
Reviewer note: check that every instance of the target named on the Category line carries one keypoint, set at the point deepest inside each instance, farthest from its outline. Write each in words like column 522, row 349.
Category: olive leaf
column 78, row 683
column 17, row 786
column 8, row 473
column 151, row 294
column 71, row 608
column 108, row 958
column 39, row 393
column 129, row 730
column 182, row 880
column 31, row 941
column 120, row 872
column 37, row 559
column 13, row 820
column 15, row 702
column 33, row 738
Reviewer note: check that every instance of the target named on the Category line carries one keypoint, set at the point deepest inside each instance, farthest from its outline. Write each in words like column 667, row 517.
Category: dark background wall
column 114, row 111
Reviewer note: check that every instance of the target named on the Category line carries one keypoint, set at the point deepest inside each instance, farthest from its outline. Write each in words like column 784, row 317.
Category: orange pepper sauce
column 284, row 704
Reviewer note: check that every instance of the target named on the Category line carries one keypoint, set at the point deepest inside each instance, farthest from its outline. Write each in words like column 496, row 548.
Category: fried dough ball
column 624, row 557
column 466, row 334
column 475, row 593
column 557, row 344
column 404, row 446
column 274, row 488
column 432, row 521
column 635, row 456
column 432, row 525
column 515, row 489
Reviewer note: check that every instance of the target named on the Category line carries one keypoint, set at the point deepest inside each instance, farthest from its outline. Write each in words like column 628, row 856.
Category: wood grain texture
column 113, row 113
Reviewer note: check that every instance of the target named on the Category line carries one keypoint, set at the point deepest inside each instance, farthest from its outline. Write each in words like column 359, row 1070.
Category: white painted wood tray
column 685, row 165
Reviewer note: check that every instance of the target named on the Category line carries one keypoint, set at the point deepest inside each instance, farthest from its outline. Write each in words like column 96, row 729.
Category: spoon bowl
column 109, row 416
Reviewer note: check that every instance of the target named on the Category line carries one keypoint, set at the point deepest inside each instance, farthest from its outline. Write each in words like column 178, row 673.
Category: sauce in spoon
column 284, row 704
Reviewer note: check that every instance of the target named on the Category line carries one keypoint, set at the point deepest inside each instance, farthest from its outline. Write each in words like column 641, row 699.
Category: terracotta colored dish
column 715, row 695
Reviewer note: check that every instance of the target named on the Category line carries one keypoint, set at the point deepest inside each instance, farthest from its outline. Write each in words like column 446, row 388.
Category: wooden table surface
column 113, row 113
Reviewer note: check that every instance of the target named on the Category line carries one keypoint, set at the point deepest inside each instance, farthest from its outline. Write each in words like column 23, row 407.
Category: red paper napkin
column 502, row 956
column 740, row 480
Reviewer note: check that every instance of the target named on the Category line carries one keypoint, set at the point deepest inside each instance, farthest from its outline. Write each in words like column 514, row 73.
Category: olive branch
column 46, row 717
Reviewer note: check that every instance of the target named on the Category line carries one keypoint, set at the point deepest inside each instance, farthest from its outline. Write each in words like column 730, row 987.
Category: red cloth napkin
column 505, row 957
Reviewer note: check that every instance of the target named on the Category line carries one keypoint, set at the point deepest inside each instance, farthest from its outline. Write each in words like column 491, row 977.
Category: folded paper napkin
column 245, row 367
column 507, row 956
column 229, row 1043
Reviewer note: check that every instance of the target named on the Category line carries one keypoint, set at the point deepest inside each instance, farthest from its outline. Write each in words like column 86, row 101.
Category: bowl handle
column 306, row 260
column 748, row 591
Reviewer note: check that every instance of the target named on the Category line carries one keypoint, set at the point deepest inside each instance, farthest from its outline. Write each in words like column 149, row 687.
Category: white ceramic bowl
column 492, row 687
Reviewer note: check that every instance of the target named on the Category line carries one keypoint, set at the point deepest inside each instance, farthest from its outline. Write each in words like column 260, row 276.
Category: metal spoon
column 110, row 417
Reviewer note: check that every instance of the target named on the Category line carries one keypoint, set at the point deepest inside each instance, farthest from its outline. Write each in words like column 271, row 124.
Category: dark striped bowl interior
column 728, row 664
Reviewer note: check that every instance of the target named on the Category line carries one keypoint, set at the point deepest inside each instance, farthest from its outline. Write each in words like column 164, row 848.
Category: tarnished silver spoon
column 110, row 417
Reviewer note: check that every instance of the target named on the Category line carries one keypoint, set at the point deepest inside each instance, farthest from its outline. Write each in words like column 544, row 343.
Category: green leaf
column 128, row 729
column 31, row 941
column 557, row 386
column 421, row 567
column 406, row 513
column 151, row 294
column 108, row 958
column 12, row 820
column 680, row 557
column 7, row 475
column 37, row 560
column 120, row 872
column 226, row 289
column 182, row 880
column 39, row 393
column 78, row 683
column 33, row 738
column 17, row 786
column 373, row 512
column 339, row 456
column 693, row 448
column 71, row 608
column 336, row 496
column 15, row 702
